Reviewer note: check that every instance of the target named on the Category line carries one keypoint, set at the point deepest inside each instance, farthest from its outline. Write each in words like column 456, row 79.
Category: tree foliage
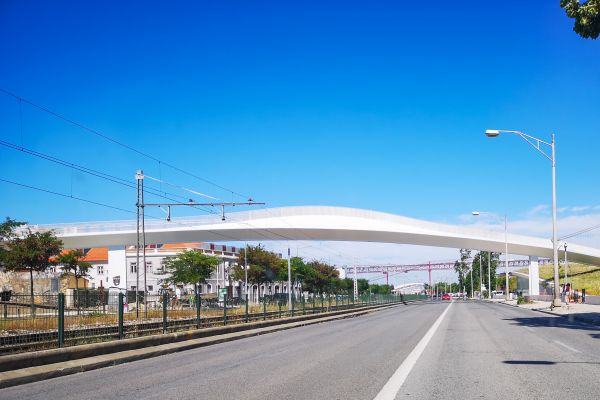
column 462, row 267
column 317, row 277
column 72, row 262
column 586, row 15
column 483, row 256
column 263, row 266
column 7, row 233
column 190, row 267
column 35, row 252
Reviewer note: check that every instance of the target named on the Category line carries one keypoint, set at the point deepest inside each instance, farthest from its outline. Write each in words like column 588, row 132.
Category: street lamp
column 506, row 295
column 537, row 144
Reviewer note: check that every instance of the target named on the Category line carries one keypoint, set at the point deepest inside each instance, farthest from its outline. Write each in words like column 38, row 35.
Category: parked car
column 446, row 296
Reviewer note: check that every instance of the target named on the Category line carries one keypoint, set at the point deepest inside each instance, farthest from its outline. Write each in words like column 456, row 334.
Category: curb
column 63, row 368
column 50, row 356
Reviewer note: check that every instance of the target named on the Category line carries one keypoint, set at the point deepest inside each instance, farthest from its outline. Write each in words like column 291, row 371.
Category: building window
column 133, row 267
column 54, row 284
column 133, row 288
column 148, row 265
column 161, row 269
column 150, row 288
column 100, row 269
column 224, row 248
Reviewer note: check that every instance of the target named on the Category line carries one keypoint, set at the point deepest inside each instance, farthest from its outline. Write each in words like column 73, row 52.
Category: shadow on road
column 537, row 362
column 566, row 322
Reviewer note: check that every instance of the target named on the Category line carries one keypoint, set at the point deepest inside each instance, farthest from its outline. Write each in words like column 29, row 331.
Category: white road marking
column 393, row 385
column 566, row 347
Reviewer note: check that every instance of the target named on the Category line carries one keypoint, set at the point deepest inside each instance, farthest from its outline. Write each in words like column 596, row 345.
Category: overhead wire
column 113, row 178
column 119, row 143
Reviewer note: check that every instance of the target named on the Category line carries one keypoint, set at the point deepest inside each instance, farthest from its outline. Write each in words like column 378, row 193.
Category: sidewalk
column 589, row 313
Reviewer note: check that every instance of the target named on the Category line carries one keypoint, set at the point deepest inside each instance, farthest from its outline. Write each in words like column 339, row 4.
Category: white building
column 117, row 268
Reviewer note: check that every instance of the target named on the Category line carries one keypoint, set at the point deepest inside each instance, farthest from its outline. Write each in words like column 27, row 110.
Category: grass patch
column 579, row 276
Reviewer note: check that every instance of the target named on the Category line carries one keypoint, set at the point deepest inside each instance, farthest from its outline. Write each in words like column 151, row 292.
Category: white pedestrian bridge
column 319, row 223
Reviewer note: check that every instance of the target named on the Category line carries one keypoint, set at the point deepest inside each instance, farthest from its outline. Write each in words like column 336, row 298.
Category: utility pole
column 289, row 281
column 430, row 288
column 566, row 265
column 144, row 252
column 489, row 289
column 355, row 285
column 246, row 270
column 480, row 274
column 472, row 294
column 139, row 177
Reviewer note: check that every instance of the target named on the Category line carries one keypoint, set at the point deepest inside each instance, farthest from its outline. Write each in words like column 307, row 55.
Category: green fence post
column 313, row 303
column 165, row 308
column 322, row 304
column 279, row 304
column 264, row 308
column 292, row 306
column 225, row 309
column 198, row 305
column 336, row 302
column 61, row 319
column 121, row 315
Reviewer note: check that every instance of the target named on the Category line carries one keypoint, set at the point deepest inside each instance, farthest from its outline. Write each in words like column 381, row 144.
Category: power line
column 90, row 171
column 586, row 230
column 117, row 142
column 66, row 196
column 113, row 178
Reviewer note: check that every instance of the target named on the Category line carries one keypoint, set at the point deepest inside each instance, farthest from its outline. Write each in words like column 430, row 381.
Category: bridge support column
column 534, row 276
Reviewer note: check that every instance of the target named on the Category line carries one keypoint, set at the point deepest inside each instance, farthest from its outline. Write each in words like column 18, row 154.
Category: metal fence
column 60, row 320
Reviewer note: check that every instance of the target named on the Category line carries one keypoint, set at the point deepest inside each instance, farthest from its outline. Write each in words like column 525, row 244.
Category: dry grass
column 20, row 320
column 579, row 276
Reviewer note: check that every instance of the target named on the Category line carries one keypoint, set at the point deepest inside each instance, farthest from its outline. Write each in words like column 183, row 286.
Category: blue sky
column 379, row 105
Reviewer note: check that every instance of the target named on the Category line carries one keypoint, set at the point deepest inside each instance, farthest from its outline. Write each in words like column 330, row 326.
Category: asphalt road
column 480, row 350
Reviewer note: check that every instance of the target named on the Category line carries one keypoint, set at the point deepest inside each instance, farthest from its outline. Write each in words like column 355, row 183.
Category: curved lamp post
column 539, row 146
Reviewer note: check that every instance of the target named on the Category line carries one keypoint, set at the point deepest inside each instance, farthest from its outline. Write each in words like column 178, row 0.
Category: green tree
column 321, row 279
column 381, row 289
column 35, row 252
column 586, row 15
column 190, row 267
column 362, row 285
column 7, row 233
column 462, row 268
column 493, row 263
column 512, row 283
column 72, row 262
column 263, row 266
